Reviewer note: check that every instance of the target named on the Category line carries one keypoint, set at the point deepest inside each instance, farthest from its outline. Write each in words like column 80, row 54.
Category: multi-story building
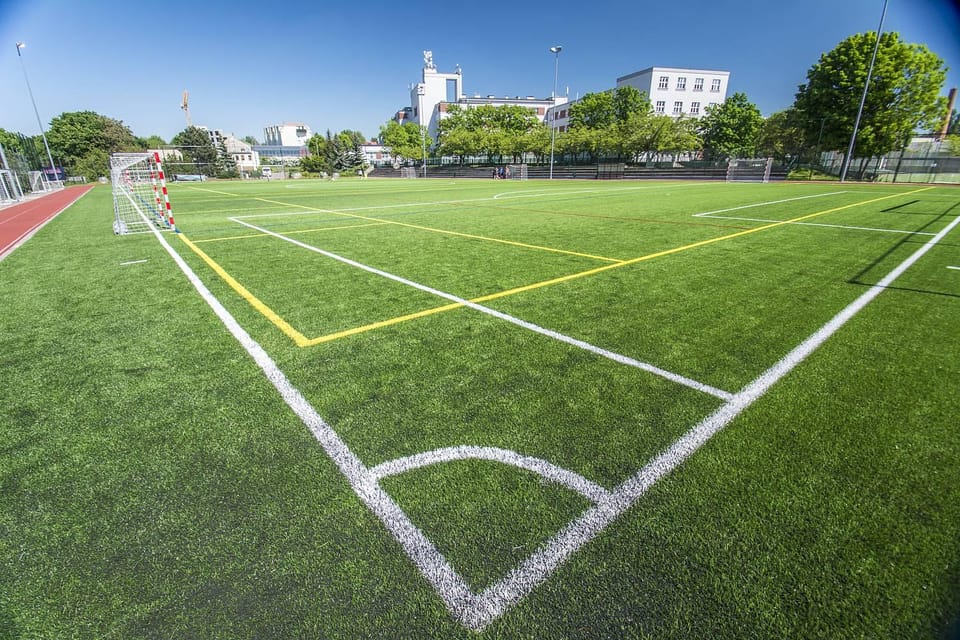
column 243, row 154
column 679, row 92
column 430, row 99
column 290, row 134
column 672, row 91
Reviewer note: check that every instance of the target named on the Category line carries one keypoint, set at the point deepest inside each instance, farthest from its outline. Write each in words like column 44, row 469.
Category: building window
column 698, row 84
column 661, row 106
column 694, row 108
column 563, row 114
column 664, row 82
column 715, row 86
column 677, row 108
column 681, row 84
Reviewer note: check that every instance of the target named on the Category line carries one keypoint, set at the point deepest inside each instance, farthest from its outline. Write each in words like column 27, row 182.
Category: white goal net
column 517, row 171
column 749, row 169
column 140, row 200
column 408, row 172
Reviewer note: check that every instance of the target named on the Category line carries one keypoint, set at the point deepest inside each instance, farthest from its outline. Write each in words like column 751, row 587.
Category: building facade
column 672, row 91
column 679, row 92
column 430, row 99
column 290, row 134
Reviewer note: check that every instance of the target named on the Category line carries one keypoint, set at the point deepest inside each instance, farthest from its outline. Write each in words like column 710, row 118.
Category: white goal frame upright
column 517, row 171
column 749, row 169
column 140, row 199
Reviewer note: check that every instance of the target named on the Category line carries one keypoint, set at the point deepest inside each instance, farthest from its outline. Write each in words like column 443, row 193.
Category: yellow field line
column 444, row 231
column 302, row 341
column 589, row 272
column 255, row 302
column 290, row 233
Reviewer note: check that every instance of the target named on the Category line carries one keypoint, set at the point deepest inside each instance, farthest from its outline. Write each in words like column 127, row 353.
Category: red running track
column 19, row 222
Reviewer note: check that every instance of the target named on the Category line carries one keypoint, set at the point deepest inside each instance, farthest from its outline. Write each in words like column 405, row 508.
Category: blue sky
column 346, row 65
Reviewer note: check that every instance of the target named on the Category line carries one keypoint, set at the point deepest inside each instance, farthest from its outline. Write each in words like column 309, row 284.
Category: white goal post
column 140, row 200
column 517, row 171
column 749, row 169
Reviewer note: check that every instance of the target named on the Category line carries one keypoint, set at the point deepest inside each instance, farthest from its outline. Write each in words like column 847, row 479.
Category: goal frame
column 140, row 200
column 749, row 169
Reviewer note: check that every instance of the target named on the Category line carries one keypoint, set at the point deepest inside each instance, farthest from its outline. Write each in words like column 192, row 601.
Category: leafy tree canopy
column 903, row 97
column 74, row 135
column 731, row 128
column 404, row 140
column 197, row 150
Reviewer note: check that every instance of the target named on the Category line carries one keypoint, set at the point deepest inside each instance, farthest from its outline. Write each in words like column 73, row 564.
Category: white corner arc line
column 500, row 596
column 616, row 357
column 570, row 479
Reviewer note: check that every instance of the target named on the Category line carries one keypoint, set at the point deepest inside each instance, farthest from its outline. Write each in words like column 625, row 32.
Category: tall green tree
column 405, row 141
column 199, row 154
column 783, row 139
column 731, row 129
column 903, row 97
column 75, row 136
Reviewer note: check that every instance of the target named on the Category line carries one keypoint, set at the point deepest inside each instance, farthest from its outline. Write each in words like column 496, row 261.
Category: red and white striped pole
column 156, row 195
column 163, row 188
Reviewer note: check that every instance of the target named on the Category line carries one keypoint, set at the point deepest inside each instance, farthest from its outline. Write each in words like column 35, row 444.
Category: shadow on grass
column 858, row 279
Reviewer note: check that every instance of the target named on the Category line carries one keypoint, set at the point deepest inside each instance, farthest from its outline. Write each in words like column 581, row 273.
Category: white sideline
column 764, row 204
column 590, row 490
column 616, row 357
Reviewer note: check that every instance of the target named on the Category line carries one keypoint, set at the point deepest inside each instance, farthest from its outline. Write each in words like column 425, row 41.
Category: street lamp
column 553, row 118
column 53, row 169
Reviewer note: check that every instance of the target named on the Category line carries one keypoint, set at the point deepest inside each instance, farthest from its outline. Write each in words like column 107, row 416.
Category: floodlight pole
column 53, row 169
column 863, row 98
column 421, row 90
column 553, row 117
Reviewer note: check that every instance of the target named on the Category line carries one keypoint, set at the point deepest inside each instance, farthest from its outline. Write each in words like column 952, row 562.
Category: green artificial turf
column 154, row 484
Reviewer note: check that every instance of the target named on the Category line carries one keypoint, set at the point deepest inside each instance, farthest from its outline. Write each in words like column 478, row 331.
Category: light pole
column 553, row 118
column 421, row 91
column 863, row 98
column 53, row 169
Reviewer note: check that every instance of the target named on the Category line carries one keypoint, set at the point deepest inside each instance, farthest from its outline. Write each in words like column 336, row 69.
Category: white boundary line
column 764, row 204
column 124, row 264
column 616, row 357
column 477, row 611
column 955, row 268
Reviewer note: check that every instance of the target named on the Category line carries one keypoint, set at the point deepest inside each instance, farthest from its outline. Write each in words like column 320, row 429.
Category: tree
column 731, row 128
column 903, row 97
column 195, row 145
column 782, row 137
column 250, row 140
column 74, row 136
column 405, row 140
column 154, row 142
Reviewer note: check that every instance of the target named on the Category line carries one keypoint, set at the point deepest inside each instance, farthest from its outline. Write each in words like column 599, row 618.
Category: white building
column 243, row 154
column 671, row 91
column 679, row 92
column 431, row 98
column 376, row 154
column 290, row 134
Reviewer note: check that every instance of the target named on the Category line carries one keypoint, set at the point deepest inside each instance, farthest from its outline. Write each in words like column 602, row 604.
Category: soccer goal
column 517, row 171
column 140, row 200
column 408, row 172
column 749, row 169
